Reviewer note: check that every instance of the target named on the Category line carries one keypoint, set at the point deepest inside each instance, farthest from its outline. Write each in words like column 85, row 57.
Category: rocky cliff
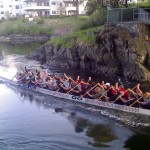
column 119, row 50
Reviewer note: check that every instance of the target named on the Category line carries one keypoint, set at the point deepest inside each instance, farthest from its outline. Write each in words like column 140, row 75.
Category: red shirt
column 125, row 93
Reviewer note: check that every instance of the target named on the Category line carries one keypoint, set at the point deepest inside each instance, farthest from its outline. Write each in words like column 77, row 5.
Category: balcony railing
column 37, row 8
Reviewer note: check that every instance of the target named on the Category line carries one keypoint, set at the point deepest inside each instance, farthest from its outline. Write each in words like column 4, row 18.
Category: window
column 2, row 12
column 1, row 6
column 46, row 3
column 16, row 0
column 53, row 12
column 47, row 13
column 53, row 3
column 39, row 13
column 17, row 6
column 39, row 4
column 82, row 12
column 60, row 4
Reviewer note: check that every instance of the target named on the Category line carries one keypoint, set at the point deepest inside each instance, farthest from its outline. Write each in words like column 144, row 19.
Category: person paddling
column 99, row 91
column 146, row 103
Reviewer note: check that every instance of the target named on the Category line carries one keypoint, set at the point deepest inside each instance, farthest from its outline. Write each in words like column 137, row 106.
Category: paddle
column 72, row 88
column 59, row 88
column 117, row 98
column 137, row 100
column 132, row 88
column 13, row 78
column 104, row 93
column 122, row 94
column 91, row 89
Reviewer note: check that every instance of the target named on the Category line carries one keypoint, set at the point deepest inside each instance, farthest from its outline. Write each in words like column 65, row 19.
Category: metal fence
column 128, row 15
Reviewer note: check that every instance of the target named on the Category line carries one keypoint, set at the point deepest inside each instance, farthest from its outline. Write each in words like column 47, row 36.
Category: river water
column 30, row 121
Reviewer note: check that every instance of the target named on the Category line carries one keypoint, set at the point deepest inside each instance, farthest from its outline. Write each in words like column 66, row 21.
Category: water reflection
column 1, row 55
column 138, row 142
column 57, row 124
column 22, row 48
column 100, row 133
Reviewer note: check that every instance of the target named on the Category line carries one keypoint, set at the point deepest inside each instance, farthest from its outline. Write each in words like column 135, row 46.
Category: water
column 31, row 121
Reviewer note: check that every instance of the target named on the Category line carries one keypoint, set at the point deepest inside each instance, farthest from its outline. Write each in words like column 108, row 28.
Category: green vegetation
column 98, row 18
column 20, row 49
column 83, row 29
column 69, row 23
column 82, row 36
column 23, row 26
column 142, row 4
column 71, row 30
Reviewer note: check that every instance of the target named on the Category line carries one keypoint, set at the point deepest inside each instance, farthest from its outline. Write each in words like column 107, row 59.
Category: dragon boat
column 102, row 105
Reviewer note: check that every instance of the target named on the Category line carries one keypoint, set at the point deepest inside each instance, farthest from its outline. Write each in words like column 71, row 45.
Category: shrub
column 40, row 20
column 96, row 19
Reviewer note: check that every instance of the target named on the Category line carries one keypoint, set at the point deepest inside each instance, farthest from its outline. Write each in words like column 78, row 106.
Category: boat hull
column 138, row 113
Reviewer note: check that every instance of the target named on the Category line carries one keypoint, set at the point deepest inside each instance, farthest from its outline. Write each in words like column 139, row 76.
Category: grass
column 22, row 26
column 65, row 25
column 68, row 29
column 79, row 32
column 87, row 37
column 58, row 26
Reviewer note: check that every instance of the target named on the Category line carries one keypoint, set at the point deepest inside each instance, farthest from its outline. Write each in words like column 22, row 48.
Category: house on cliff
column 49, row 8
column 45, row 8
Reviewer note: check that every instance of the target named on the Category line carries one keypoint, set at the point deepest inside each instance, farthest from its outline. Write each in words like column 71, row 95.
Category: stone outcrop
column 15, row 38
column 119, row 50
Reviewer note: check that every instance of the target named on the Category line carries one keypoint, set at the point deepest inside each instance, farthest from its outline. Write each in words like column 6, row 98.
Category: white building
column 71, row 6
column 5, row 9
column 10, row 8
column 17, row 8
column 14, row 8
column 37, row 7
column 52, row 7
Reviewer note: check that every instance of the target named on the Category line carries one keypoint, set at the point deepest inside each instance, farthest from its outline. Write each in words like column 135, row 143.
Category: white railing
column 37, row 8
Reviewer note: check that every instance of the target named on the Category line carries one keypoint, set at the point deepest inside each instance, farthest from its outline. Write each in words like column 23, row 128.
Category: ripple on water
column 55, row 142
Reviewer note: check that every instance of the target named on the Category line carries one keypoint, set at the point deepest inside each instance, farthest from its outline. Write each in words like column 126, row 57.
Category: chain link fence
column 128, row 15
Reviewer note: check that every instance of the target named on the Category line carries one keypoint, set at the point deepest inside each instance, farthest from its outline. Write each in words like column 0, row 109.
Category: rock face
column 15, row 38
column 120, row 50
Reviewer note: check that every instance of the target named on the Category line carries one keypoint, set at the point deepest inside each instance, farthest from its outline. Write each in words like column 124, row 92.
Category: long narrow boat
column 144, row 113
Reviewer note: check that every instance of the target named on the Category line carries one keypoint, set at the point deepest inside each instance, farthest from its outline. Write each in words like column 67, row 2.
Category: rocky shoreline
column 120, row 50
column 15, row 38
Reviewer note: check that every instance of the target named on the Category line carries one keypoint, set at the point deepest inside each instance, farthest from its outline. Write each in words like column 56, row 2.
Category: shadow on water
column 84, row 74
column 100, row 133
column 138, row 142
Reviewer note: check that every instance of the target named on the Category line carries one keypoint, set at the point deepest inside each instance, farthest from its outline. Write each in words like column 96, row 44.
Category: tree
column 93, row 5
